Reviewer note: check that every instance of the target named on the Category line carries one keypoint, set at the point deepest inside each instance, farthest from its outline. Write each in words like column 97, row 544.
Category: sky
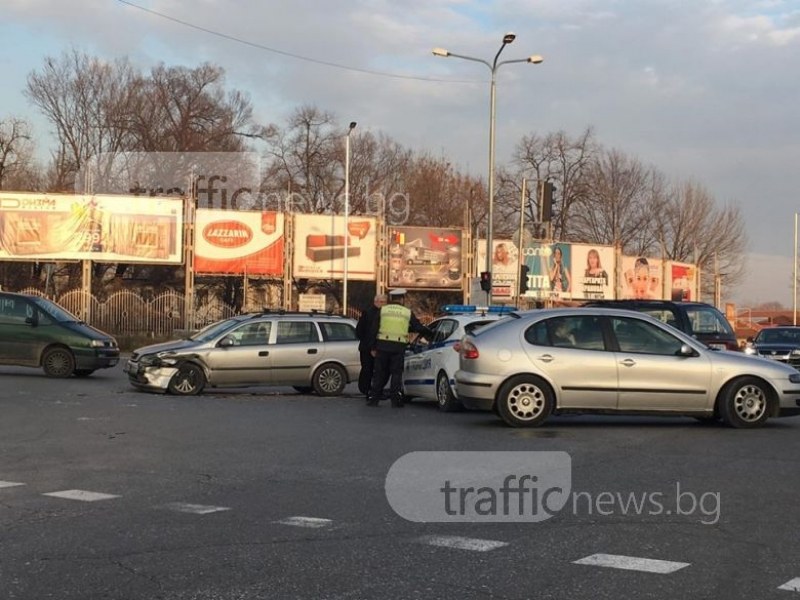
column 704, row 90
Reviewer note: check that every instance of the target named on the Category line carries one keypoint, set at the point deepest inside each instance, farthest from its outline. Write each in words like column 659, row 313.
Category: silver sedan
column 596, row 360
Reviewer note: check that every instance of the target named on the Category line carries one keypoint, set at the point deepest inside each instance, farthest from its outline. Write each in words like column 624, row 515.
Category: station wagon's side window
column 337, row 332
column 296, row 332
column 15, row 311
column 251, row 334
column 641, row 337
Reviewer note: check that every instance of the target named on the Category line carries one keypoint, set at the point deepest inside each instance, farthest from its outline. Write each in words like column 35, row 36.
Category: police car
column 430, row 367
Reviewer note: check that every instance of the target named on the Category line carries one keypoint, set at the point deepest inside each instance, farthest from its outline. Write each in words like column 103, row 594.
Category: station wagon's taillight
column 469, row 350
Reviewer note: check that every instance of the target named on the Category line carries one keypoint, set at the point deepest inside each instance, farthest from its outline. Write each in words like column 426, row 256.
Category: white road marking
column 7, row 484
column 462, row 543
column 195, row 509
column 81, row 495
column 310, row 522
column 632, row 563
column 791, row 586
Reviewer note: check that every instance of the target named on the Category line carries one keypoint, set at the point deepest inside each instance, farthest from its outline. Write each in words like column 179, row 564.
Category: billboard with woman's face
column 642, row 278
column 548, row 270
column 592, row 272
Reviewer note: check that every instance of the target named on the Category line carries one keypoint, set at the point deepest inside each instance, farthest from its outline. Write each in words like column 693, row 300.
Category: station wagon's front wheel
column 745, row 403
column 525, row 401
column 189, row 380
column 329, row 380
column 58, row 362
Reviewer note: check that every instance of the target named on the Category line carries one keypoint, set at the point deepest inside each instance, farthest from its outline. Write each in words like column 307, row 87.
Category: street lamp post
column 346, row 212
column 493, row 67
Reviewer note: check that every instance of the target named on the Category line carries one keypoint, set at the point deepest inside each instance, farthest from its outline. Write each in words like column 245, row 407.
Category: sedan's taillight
column 468, row 350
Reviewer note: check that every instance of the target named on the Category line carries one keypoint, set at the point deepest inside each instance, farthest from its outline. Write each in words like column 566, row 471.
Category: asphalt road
column 270, row 494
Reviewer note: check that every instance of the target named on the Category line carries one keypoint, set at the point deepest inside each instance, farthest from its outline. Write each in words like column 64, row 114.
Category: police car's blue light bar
column 470, row 308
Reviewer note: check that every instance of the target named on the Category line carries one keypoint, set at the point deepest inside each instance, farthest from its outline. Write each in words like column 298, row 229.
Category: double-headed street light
column 346, row 212
column 493, row 67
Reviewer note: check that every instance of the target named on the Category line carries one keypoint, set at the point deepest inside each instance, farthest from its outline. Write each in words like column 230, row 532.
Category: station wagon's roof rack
column 281, row 311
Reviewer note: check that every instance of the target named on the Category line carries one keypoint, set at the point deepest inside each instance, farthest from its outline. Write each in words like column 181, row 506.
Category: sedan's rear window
column 337, row 332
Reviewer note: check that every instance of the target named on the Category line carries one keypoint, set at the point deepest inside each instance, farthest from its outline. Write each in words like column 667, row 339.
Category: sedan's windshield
column 779, row 336
column 209, row 332
column 55, row 312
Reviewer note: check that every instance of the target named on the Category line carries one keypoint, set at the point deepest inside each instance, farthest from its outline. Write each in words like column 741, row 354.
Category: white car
column 430, row 367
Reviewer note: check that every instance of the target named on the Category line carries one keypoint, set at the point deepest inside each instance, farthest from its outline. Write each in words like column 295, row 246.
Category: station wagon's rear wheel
column 445, row 398
column 745, row 403
column 525, row 401
column 189, row 380
column 329, row 380
column 58, row 362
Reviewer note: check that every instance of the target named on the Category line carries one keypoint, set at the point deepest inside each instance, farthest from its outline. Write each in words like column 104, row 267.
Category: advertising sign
column 505, row 267
column 641, row 278
column 322, row 241
column 237, row 242
column 681, row 281
column 592, row 272
column 99, row 228
column 425, row 257
column 549, row 270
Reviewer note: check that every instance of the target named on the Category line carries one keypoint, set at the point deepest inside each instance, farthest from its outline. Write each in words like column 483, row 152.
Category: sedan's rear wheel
column 525, row 401
column 745, row 403
column 329, row 380
column 445, row 397
column 189, row 380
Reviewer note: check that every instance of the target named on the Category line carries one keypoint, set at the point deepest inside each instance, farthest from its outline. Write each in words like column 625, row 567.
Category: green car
column 35, row 332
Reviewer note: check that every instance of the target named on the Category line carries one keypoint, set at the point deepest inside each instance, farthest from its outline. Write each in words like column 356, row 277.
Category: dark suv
column 35, row 332
column 702, row 321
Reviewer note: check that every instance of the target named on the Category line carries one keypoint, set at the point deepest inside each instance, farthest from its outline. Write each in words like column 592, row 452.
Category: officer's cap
column 396, row 293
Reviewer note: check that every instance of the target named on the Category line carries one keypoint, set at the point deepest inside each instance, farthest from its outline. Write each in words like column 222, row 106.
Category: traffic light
column 523, row 279
column 546, row 190
column 486, row 281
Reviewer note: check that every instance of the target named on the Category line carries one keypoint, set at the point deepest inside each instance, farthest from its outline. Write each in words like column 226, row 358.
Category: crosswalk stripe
column 8, row 484
column 82, row 495
column 632, row 563
column 792, row 585
column 310, row 522
column 462, row 543
column 194, row 509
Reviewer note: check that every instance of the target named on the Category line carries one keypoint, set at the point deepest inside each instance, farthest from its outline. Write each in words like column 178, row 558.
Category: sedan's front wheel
column 745, row 403
column 188, row 381
column 525, row 401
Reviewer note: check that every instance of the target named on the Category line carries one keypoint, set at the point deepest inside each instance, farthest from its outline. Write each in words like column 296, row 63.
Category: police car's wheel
column 525, row 401
column 329, row 380
column 444, row 394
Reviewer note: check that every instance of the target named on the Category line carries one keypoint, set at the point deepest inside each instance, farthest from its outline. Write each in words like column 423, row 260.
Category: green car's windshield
column 209, row 332
column 55, row 312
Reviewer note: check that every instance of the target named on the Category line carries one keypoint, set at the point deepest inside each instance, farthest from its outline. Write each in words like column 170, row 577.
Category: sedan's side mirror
column 226, row 342
column 687, row 350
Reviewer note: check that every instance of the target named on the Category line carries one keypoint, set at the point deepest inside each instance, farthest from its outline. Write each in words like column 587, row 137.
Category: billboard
column 505, row 267
column 99, row 228
column 592, row 272
column 237, row 242
column 681, row 281
column 322, row 241
column 425, row 257
column 549, row 270
column 641, row 278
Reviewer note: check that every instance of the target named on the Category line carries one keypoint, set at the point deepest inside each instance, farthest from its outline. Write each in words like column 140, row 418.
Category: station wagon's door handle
column 628, row 362
column 546, row 358
column 312, row 351
column 264, row 353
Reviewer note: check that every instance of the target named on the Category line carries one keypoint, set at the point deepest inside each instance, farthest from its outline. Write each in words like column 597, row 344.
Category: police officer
column 390, row 335
column 364, row 332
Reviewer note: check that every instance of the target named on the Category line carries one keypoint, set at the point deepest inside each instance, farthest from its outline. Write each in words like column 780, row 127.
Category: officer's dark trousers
column 388, row 365
column 367, row 369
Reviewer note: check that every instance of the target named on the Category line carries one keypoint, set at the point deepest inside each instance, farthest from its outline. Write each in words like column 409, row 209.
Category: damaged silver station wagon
column 308, row 351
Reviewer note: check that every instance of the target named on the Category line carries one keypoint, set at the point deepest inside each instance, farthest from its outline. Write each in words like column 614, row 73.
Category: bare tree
column 17, row 167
